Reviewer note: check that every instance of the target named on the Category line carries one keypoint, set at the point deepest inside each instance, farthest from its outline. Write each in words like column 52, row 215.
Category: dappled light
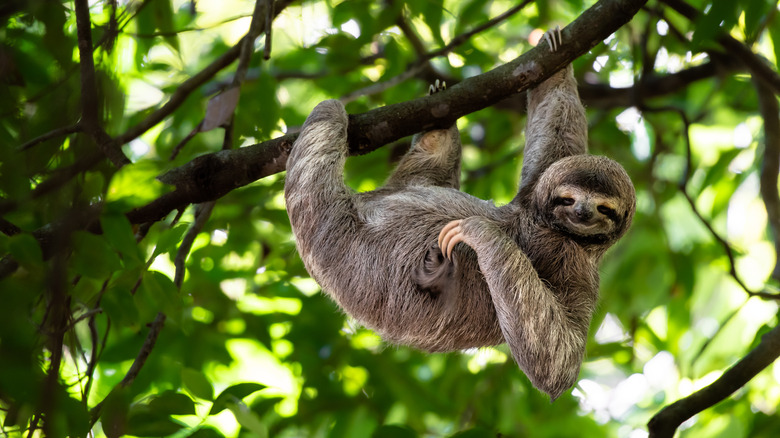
column 149, row 275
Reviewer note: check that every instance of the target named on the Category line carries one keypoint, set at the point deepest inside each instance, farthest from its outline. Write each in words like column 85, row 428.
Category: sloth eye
column 606, row 211
column 562, row 200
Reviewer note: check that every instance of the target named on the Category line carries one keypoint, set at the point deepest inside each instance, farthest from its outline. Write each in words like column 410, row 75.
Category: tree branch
column 665, row 422
column 65, row 130
column 757, row 66
column 187, row 87
column 90, row 118
column 146, row 349
column 683, row 187
column 213, row 175
column 422, row 64
column 770, row 166
column 605, row 97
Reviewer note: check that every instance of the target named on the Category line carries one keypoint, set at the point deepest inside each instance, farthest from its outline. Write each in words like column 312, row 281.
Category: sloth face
column 583, row 212
column 589, row 198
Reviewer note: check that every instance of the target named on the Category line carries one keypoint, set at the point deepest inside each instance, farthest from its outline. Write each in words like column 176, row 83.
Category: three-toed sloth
column 526, row 273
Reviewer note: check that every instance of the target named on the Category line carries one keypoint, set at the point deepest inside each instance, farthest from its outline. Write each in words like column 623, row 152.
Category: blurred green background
column 249, row 345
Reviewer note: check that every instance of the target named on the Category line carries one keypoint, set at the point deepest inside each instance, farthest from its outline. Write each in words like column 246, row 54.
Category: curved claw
column 450, row 236
column 552, row 41
column 436, row 87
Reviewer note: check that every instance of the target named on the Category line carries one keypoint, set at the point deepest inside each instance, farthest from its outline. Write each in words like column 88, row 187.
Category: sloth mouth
column 585, row 228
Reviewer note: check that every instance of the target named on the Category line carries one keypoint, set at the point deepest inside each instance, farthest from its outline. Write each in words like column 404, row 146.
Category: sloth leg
column 433, row 159
column 556, row 126
column 319, row 203
column 546, row 338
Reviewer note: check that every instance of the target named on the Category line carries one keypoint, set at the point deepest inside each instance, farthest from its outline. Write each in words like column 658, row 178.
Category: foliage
column 102, row 334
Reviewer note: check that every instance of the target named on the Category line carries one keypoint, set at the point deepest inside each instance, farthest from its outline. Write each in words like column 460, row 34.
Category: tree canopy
column 148, row 272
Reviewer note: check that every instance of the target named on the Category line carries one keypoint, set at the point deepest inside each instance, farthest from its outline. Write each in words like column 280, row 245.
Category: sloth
column 429, row 266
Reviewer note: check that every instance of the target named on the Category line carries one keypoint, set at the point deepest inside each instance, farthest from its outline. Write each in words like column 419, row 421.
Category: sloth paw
column 436, row 87
column 450, row 235
column 553, row 38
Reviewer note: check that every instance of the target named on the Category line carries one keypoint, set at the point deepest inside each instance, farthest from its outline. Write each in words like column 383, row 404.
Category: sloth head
column 589, row 198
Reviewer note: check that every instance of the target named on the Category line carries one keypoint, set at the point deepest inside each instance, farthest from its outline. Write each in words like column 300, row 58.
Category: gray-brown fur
column 524, row 276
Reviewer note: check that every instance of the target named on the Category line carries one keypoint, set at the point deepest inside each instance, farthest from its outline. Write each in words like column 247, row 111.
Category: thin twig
column 146, row 349
column 187, row 87
column 683, row 187
column 424, row 57
column 88, row 314
column 269, row 16
column 721, row 327
column 202, row 213
column 462, row 38
column 95, row 353
column 65, row 130
column 203, row 210
column 382, row 86
column 186, row 29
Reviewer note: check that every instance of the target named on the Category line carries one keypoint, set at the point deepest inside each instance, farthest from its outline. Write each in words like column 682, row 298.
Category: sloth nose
column 583, row 211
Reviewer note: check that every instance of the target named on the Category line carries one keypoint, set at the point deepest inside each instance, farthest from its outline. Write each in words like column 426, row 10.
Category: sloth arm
column 544, row 336
column 556, row 126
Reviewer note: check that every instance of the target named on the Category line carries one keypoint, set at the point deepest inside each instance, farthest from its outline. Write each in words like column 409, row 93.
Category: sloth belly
column 396, row 229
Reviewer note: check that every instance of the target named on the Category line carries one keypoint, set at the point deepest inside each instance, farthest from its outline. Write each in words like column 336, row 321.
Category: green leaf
column 158, row 294
column 173, row 403
column 247, row 419
column 26, row 250
column 206, row 432
column 119, row 233
column 393, row 431
column 163, row 20
column 170, row 238
column 774, row 33
column 115, row 412
column 119, row 305
column 722, row 16
column 92, row 256
column 197, row 384
column 477, row 432
column 151, row 424
column 233, row 394
column 136, row 184
column 755, row 11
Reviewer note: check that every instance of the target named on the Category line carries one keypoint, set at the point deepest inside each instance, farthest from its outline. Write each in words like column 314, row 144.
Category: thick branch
column 211, row 176
column 665, row 422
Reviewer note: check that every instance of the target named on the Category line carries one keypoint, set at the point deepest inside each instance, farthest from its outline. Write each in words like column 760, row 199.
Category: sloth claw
column 552, row 40
column 436, row 87
column 450, row 235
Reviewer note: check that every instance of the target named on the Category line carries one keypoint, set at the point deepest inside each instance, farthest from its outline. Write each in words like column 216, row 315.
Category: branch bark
column 665, row 422
column 213, row 175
